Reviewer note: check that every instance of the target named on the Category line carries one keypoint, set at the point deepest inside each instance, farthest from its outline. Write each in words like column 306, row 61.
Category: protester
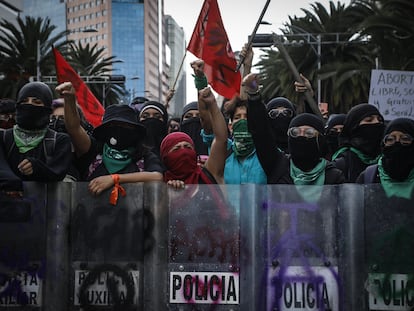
column 114, row 154
column 154, row 116
column 173, row 125
column 333, row 127
column 305, row 164
column 242, row 165
column 280, row 112
column 359, row 141
column 33, row 151
column 57, row 123
column 7, row 113
column 191, row 125
column 395, row 168
column 179, row 156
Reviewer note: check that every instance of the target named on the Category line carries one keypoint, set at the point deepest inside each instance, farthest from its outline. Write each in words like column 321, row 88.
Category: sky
column 239, row 19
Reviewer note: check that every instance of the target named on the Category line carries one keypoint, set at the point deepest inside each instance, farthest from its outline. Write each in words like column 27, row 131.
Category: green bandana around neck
column 115, row 160
column 243, row 140
column 396, row 188
column 362, row 156
column 27, row 139
column 303, row 180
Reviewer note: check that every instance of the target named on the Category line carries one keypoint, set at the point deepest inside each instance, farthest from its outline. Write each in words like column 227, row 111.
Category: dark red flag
column 91, row 107
column 210, row 43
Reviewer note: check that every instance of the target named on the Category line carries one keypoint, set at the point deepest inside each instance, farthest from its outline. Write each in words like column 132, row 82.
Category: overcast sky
column 239, row 19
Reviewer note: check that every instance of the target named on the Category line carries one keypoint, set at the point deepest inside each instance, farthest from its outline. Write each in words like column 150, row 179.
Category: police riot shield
column 107, row 249
column 301, row 249
column 203, row 250
column 389, row 254
column 23, row 227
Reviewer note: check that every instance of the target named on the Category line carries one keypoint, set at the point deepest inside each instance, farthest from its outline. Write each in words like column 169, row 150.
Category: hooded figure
column 154, row 117
column 395, row 168
column 333, row 128
column 7, row 113
column 191, row 125
column 359, row 141
column 280, row 111
column 33, row 151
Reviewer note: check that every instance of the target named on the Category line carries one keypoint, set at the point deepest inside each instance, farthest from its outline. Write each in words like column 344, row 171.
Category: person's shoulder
column 333, row 174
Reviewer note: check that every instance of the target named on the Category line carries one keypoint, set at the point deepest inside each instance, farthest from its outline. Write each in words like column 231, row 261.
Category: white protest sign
column 392, row 92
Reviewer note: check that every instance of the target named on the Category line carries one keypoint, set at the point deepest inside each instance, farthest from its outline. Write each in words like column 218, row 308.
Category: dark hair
column 236, row 102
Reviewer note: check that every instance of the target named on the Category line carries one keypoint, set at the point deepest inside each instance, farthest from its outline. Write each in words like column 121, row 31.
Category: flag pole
column 179, row 71
column 249, row 44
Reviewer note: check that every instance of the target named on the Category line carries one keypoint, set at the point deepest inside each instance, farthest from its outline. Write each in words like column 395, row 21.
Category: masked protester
column 280, row 111
column 180, row 157
column 395, row 168
column 191, row 125
column 304, row 164
column 33, row 151
column 359, row 141
column 7, row 113
column 154, row 116
column 333, row 128
column 115, row 153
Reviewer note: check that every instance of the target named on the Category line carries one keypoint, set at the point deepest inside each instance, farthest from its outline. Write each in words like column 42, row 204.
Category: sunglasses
column 274, row 113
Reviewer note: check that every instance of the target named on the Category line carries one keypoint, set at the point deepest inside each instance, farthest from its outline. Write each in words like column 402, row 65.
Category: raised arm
column 217, row 158
column 247, row 66
column 80, row 139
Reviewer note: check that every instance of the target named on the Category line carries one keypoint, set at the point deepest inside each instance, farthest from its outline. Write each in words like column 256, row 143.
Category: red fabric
column 181, row 164
column 210, row 43
column 91, row 107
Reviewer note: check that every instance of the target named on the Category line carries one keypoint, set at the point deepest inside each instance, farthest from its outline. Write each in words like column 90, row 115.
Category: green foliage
column 371, row 32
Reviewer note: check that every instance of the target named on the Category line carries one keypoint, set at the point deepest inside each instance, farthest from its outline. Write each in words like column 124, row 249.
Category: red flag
column 91, row 107
column 210, row 43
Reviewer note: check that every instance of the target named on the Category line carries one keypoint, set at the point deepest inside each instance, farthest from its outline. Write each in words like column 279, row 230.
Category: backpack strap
column 369, row 174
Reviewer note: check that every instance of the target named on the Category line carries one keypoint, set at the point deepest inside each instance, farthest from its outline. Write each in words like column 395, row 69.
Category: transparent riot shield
column 23, row 227
column 301, row 249
column 203, row 250
column 108, row 245
column 389, row 253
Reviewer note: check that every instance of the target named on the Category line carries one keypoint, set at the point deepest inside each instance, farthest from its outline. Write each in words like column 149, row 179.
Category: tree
column 345, row 67
column 19, row 50
column 89, row 61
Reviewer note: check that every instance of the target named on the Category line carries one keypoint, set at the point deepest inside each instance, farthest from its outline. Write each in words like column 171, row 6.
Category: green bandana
column 396, row 188
column 27, row 139
column 363, row 157
column 115, row 160
column 243, row 140
column 315, row 177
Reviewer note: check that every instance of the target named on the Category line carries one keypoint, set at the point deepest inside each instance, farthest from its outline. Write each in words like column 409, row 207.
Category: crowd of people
column 245, row 140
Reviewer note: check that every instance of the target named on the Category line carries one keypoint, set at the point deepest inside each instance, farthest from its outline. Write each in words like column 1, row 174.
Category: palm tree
column 345, row 66
column 20, row 47
column 390, row 27
column 90, row 61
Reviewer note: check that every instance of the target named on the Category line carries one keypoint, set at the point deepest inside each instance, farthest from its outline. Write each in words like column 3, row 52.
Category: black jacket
column 275, row 162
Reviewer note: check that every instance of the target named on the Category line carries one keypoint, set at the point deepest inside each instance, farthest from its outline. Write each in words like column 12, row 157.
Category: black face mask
column 280, row 126
column 305, row 152
column 121, row 138
column 398, row 161
column 57, row 124
column 332, row 141
column 30, row 117
column 156, row 131
column 192, row 127
column 367, row 138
